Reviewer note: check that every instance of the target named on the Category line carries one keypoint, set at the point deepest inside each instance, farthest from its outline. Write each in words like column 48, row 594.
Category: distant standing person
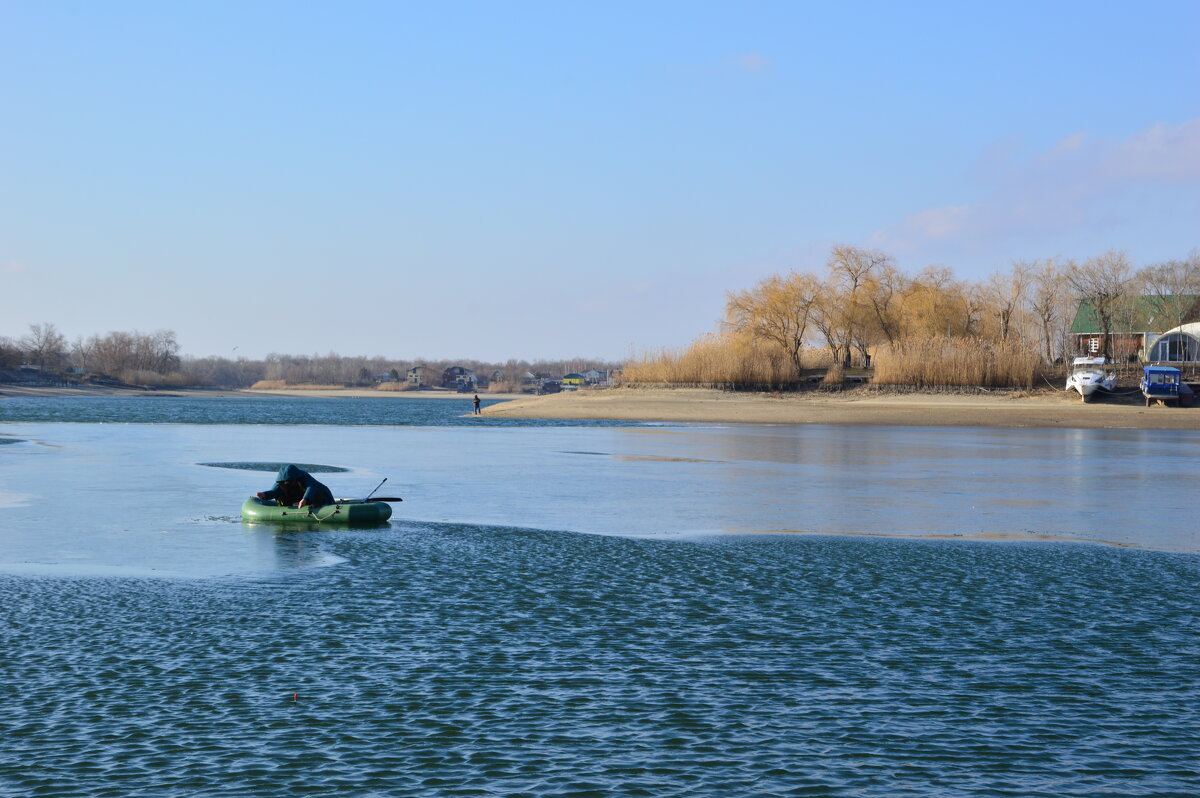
column 477, row 411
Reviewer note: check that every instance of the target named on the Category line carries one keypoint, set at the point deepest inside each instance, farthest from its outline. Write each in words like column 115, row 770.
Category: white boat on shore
column 1088, row 375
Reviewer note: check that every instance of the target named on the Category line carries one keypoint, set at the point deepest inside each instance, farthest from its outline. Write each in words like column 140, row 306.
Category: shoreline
column 1038, row 409
column 1043, row 409
column 13, row 391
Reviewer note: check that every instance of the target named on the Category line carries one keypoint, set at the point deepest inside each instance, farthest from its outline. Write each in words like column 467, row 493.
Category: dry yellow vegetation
column 923, row 330
column 956, row 362
column 280, row 385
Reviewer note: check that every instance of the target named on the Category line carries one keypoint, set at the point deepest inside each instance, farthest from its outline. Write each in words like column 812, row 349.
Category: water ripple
column 449, row 660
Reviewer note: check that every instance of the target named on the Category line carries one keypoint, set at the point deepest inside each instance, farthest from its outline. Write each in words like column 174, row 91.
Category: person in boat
column 294, row 485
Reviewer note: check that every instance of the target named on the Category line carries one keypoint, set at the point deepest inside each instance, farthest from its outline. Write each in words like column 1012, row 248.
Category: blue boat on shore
column 1164, row 384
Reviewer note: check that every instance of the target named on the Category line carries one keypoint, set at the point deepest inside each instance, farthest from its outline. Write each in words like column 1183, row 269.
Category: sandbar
column 1044, row 408
column 1047, row 408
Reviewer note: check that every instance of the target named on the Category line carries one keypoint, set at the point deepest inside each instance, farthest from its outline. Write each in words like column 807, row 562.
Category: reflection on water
column 291, row 548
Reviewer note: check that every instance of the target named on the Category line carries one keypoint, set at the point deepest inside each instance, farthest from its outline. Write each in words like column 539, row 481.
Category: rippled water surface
column 466, row 660
column 340, row 411
column 558, row 610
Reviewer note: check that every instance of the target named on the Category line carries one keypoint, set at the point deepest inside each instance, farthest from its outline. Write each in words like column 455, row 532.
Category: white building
column 1178, row 345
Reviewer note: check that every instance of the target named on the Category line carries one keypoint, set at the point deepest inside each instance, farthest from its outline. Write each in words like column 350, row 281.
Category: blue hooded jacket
column 315, row 493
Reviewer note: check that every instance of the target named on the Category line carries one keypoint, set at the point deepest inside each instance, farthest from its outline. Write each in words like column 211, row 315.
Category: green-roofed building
column 1136, row 328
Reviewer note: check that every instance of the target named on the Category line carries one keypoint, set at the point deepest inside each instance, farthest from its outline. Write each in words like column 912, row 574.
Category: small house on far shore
column 416, row 376
column 1136, row 331
column 576, row 380
column 459, row 377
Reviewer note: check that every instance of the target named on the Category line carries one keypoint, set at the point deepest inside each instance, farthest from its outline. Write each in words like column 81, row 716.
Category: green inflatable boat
column 355, row 512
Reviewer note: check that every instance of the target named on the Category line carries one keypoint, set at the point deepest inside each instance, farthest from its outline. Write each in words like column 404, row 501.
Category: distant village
column 44, row 357
column 465, row 380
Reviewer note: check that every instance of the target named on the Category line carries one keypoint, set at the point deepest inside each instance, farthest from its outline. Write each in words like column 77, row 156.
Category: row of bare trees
column 44, row 347
column 154, row 358
column 334, row 369
column 122, row 355
column 863, row 306
column 128, row 355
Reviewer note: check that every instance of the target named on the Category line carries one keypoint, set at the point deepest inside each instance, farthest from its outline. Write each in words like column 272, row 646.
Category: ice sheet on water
column 312, row 468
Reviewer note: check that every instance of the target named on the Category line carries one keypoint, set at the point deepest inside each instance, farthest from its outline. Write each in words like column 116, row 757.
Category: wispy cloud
column 12, row 267
column 1160, row 152
column 1054, row 190
column 752, row 63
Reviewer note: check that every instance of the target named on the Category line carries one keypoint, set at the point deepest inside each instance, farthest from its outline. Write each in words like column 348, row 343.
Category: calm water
column 587, row 610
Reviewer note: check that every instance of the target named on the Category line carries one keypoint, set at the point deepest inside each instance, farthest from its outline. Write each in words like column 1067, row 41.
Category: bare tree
column 1005, row 292
column 81, row 353
column 130, row 356
column 45, row 346
column 778, row 310
column 849, row 268
column 1103, row 282
column 1046, row 302
column 10, row 353
column 829, row 318
column 883, row 291
column 1173, row 290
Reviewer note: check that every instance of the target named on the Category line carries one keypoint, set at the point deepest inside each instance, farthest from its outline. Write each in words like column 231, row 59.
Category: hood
column 292, row 472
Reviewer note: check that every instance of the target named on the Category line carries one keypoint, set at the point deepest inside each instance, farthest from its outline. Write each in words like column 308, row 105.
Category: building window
column 1178, row 348
column 1093, row 345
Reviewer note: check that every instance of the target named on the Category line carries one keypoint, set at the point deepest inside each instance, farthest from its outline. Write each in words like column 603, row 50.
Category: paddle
column 372, row 493
column 364, row 501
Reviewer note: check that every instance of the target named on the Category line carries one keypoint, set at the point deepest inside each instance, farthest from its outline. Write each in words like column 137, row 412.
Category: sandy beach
column 1038, row 409
column 372, row 394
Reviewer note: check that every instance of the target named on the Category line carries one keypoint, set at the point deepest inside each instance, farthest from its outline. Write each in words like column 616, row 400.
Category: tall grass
column 732, row 361
column 954, row 362
column 276, row 385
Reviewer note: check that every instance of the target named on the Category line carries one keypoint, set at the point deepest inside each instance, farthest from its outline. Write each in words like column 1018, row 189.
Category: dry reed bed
column 944, row 362
column 730, row 361
column 738, row 362
column 280, row 385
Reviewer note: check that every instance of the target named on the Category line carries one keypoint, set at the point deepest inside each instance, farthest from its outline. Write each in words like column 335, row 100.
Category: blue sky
column 527, row 179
